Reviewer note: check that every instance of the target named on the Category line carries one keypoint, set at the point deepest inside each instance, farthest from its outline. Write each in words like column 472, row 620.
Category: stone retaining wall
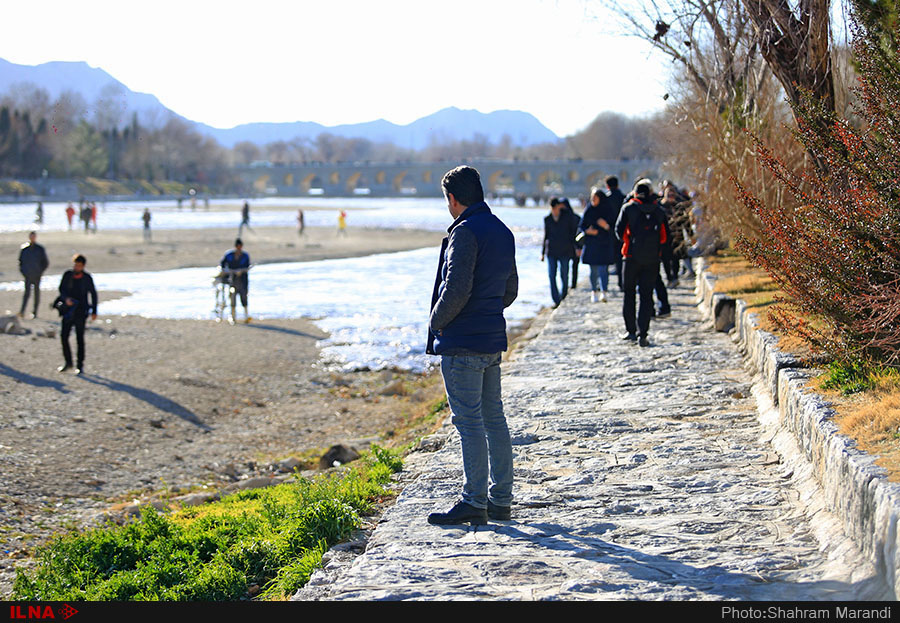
column 856, row 489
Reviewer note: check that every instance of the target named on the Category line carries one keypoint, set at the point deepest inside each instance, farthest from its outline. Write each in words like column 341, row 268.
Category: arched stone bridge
column 524, row 178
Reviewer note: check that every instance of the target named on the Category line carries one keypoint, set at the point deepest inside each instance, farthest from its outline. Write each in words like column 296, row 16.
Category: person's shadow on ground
column 713, row 579
column 37, row 381
column 269, row 327
column 150, row 397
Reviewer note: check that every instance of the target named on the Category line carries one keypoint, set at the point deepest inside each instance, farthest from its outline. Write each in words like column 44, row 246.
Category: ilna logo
column 19, row 612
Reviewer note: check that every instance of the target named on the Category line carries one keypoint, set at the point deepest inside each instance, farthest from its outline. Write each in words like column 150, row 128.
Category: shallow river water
column 375, row 307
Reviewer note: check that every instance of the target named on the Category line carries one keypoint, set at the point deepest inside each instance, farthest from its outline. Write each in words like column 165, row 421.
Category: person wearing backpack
column 642, row 229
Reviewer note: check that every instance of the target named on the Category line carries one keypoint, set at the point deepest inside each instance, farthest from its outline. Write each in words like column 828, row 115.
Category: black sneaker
column 498, row 513
column 631, row 337
column 459, row 514
column 664, row 313
column 644, row 341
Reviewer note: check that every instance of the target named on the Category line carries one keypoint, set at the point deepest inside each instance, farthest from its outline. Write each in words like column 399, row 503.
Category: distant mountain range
column 444, row 125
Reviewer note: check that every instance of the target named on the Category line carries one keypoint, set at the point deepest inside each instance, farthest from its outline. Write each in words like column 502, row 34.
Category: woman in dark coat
column 599, row 243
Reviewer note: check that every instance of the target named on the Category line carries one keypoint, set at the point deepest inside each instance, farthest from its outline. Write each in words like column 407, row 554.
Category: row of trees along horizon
column 69, row 139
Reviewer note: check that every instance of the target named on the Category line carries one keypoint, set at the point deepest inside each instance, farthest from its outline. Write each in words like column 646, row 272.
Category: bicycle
column 226, row 293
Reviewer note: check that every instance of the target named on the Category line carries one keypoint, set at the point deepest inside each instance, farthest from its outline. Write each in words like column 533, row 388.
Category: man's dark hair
column 238, row 242
column 79, row 259
column 612, row 181
column 554, row 201
column 465, row 184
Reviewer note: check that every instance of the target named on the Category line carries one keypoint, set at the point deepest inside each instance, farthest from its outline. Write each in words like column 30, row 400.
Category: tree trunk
column 796, row 45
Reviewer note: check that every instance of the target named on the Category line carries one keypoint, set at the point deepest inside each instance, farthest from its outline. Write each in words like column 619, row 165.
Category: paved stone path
column 641, row 473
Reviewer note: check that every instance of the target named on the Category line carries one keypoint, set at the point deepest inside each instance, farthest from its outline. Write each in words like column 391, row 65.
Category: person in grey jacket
column 476, row 280
column 32, row 264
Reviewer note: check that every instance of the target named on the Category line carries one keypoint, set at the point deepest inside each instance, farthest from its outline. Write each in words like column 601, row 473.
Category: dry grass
column 871, row 418
column 738, row 278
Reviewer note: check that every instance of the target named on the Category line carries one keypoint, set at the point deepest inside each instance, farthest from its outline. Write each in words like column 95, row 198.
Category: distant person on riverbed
column 32, row 264
column 146, row 218
column 237, row 263
column 245, row 218
column 342, row 223
column 79, row 297
column 70, row 212
column 475, row 282
column 301, row 223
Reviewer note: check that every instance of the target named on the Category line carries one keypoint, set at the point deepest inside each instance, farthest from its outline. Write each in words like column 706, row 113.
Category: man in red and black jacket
column 642, row 228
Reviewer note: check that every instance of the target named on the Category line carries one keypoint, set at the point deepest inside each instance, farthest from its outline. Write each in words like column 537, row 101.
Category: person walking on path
column 301, row 223
column 245, row 219
column 642, row 230
column 32, row 264
column 236, row 263
column 476, row 280
column 39, row 213
column 94, row 216
column 70, row 213
column 146, row 218
column 79, row 297
column 615, row 199
column 342, row 223
column 599, row 243
column 558, row 248
column 576, row 218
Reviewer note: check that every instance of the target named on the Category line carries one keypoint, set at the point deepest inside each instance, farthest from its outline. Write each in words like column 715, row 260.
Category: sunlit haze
column 227, row 63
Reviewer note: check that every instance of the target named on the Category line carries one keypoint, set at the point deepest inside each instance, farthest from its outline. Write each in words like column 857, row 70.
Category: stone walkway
column 641, row 473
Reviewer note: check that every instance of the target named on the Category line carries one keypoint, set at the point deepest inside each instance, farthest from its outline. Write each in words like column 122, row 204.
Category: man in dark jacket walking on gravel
column 642, row 229
column 32, row 264
column 475, row 282
column 79, row 298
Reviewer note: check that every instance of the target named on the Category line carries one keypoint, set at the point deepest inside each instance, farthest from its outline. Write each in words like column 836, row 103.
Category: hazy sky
column 346, row 61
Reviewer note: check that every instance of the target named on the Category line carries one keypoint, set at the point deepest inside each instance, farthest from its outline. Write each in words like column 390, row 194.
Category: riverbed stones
column 641, row 473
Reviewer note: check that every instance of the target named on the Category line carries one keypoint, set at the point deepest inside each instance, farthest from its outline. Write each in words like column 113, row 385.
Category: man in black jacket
column 32, row 264
column 79, row 296
column 559, row 247
column 615, row 199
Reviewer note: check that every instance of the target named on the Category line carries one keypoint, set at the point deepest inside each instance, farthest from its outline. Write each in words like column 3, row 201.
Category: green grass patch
column 273, row 538
column 852, row 378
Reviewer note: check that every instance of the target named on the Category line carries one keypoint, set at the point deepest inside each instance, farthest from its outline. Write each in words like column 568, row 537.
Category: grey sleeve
column 512, row 286
column 462, row 252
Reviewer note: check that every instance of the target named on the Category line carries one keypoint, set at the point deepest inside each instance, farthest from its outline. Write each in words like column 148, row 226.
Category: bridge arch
column 312, row 180
column 356, row 181
column 595, row 178
column 404, row 183
column 261, row 183
column 549, row 182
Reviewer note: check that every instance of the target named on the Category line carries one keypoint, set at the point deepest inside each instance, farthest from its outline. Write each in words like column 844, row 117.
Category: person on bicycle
column 235, row 264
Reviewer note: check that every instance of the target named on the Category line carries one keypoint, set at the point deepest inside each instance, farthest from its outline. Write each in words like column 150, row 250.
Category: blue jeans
column 561, row 265
column 473, row 391
column 600, row 271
